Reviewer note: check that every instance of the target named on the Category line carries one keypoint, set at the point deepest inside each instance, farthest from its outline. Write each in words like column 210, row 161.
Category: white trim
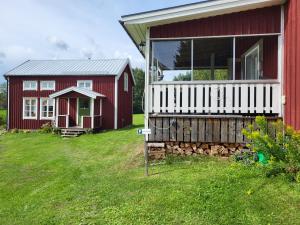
column 147, row 86
column 57, row 111
column 47, row 118
column 85, row 81
column 219, row 36
column 116, row 104
column 126, row 82
column 30, row 89
column 47, row 89
column 36, row 109
column 68, row 106
column 77, row 111
column 281, row 63
column 234, row 59
column 83, row 91
column 92, row 112
column 8, row 105
column 123, row 68
column 196, row 11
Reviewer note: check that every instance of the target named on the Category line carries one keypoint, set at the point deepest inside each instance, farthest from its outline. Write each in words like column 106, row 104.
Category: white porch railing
column 216, row 97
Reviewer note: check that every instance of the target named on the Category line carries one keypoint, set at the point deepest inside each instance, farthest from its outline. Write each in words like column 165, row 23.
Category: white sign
column 144, row 131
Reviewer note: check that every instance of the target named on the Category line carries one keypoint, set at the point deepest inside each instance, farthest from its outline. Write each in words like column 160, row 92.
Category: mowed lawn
column 99, row 179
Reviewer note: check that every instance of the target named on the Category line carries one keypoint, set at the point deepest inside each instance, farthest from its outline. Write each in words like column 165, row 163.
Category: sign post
column 145, row 132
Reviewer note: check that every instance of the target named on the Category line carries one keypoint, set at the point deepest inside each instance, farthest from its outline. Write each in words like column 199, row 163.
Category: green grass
column 3, row 115
column 99, row 179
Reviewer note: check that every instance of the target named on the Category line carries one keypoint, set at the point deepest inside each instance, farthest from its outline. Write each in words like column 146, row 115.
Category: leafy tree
column 3, row 94
column 183, row 77
column 138, row 91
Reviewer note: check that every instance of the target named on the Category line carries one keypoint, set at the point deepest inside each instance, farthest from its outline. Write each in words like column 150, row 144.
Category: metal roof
column 70, row 67
column 83, row 91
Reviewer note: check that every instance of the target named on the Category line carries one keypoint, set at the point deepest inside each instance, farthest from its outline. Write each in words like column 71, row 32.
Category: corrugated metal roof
column 70, row 67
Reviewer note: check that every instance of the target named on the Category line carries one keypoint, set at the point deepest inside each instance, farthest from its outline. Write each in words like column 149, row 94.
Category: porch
column 78, row 109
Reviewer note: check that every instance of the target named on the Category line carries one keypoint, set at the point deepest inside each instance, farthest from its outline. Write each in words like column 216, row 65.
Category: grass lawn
column 99, row 179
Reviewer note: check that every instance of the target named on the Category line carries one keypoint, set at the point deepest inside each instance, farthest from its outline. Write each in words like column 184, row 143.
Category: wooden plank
column 187, row 130
column 156, row 145
column 201, row 130
column 185, row 96
column 209, row 130
column 244, row 98
column 199, row 102
column 171, row 103
column 207, row 97
column 158, row 129
column 179, row 129
column 194, row 130
column 236, row 98
column 231, row 130
column 164, row 98
column 216, row 131
column 221, row 99
column 173, row 126
column 152, row 127
column 214, row 98
column 247, row 122
column 178, row 91
column 239, row 128
column 229, row 100
column 252, row 97
column 192, row 99
column 166, row 129
column 259, row 98
column 276, row 98
column 224, row 130
column 268, row 98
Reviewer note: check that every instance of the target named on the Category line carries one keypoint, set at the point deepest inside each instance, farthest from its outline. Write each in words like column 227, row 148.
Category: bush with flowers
column 279, row 144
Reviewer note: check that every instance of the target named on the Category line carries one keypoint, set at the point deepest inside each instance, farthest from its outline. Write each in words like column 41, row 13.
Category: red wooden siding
column 125, row 100
column 101, row 84
column 292, row 63
column 87, row 122
column 270, row 54
column 258, row 21
column 62, row 121
column 73, row 111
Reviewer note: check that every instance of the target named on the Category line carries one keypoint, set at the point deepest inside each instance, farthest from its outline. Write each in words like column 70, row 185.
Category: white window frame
column 36, row 108
column 30, row 88
column 41, row 111
column 126, row 82
column 86, row 81
column 47, row 88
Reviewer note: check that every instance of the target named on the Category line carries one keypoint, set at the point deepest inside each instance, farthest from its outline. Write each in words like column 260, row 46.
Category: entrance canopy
column 82, row 91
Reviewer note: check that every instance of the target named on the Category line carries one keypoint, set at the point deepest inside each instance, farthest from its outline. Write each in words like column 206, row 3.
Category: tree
column 3, row 93
column 138, row 90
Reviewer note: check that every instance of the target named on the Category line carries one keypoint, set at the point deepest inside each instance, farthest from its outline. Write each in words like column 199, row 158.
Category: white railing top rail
column 216, row 82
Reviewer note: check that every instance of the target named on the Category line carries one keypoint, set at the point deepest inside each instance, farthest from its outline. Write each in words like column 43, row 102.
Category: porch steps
column 71, row 132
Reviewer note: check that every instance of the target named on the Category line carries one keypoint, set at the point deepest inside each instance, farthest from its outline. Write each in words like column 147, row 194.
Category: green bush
column 46, row 128
column 279, row 144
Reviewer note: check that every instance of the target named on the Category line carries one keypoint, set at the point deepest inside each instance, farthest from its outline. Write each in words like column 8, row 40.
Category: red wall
column 265, row 20
column 292, row 63
column 101, row 84
column 125, row 100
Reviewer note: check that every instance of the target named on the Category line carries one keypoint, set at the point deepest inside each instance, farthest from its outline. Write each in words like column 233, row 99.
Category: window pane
column 213, row 59
column 171, row 60
column 50, row 114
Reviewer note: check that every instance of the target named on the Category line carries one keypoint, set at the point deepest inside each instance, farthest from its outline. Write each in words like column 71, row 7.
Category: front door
column 83, row 108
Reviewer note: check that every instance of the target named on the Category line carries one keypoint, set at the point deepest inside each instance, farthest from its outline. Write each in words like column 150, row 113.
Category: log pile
column 194, row 149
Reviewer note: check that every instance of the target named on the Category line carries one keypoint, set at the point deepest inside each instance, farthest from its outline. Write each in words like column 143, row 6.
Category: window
column 29, row 85
column 126, row 82
column 88, row 84
column 47, row 108
column 171, row 60
column 48, row 85
column 29, row 108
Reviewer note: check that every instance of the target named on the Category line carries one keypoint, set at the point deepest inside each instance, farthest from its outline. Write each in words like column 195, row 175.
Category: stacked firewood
column 193, row 149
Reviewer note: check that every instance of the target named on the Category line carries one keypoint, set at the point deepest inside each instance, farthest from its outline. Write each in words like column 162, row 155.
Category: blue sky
column 69, row 29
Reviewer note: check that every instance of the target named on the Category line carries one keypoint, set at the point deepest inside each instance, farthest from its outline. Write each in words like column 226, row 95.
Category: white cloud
column 58, row 43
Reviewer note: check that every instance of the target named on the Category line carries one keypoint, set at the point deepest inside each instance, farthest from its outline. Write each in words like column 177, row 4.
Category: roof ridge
column 76, row 59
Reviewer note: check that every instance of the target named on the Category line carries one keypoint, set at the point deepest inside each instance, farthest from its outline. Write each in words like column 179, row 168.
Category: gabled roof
column 104, row 67
column 137, row 24
column 83, row 91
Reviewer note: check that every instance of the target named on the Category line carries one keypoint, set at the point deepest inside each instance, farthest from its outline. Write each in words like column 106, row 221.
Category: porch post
column 57, row 110
column 92, row 113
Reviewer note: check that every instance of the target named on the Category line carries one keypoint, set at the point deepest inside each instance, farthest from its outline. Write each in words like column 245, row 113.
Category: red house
column 212, row 66
column 89, row 94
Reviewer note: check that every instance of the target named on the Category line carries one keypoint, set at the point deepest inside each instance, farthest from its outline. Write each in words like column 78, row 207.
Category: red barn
column 90, row 94
column 212, row 66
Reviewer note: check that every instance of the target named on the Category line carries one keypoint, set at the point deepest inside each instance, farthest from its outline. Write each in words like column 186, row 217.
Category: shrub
column 46, row 128
column 279, row 144
column 14, row 131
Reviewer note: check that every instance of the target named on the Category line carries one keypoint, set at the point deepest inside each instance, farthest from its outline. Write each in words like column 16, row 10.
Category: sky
column 69, row 29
